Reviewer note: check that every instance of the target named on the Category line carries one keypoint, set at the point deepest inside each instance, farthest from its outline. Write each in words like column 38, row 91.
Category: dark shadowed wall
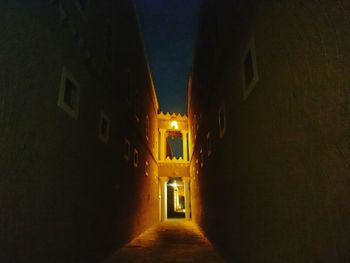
column 275, row 187
column 66, row 194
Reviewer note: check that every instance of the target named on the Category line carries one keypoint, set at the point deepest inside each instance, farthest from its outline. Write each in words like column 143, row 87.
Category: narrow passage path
column 170, row 241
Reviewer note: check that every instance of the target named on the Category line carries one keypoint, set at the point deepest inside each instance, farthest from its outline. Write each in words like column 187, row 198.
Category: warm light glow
column 174, row 125
column 174, row 184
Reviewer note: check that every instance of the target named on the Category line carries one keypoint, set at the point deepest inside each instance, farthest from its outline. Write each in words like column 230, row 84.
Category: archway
column 176, row 198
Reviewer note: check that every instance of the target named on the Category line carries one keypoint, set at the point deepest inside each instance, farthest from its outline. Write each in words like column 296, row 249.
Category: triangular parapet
column 167, row 116
column 174, row 160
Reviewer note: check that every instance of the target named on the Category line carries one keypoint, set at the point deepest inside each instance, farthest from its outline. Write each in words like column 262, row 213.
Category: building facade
column 78, row 131
column 269, row 124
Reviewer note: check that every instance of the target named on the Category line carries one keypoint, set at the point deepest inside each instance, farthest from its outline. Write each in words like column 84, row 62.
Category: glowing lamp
column 174, row 184
column 174, row 125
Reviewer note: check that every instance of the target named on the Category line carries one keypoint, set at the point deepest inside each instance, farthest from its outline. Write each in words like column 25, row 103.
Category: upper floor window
column 69, row 94
column 146, row 168
column 250, row 70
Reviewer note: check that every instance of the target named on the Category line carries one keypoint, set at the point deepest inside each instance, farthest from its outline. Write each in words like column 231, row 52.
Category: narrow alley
column 106, row 156
column 175, row 240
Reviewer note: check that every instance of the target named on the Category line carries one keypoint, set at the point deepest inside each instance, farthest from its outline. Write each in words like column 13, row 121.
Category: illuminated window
column 222, row 120
column 208, row 144
column 146, row 168
column 147, row 127
column 136, row 158
column 126, row 149
column 104, row 127
column 68, row 98
column 109, row 43
column 250, row 71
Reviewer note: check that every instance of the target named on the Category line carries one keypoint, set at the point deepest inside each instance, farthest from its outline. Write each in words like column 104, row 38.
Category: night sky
column 169, row 32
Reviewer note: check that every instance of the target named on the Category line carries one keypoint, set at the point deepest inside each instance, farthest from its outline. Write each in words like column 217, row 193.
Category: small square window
column 126, row 149
column 222, row 120
column 209, row 144
column 136, row 158
column 68, row 98
column 104, row 127
column 146, row 168
column 250, row 70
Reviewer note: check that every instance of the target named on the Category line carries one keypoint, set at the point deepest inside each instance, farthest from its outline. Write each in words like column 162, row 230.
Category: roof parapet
column 168, row 116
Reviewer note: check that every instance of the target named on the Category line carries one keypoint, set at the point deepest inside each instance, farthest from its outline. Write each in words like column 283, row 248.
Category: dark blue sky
column 169, row 32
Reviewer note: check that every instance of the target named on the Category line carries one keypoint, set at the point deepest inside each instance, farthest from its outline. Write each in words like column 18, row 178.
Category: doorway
column 176, row 198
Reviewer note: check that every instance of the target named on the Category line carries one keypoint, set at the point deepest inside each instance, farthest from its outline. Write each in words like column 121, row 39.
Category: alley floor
column 170, row 241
